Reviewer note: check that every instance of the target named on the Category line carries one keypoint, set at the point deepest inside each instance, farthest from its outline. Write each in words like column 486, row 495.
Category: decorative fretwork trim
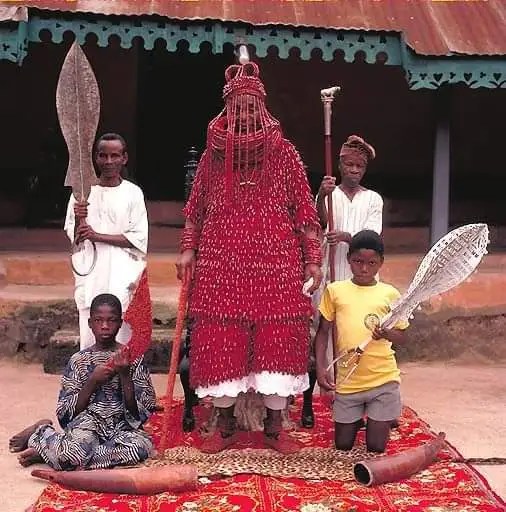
column 371, row 47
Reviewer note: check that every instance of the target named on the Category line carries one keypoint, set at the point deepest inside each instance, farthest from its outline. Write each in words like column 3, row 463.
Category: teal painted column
column 441, row 168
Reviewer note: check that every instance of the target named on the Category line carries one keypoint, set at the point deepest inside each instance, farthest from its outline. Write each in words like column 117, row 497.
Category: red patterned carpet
column 445, row 486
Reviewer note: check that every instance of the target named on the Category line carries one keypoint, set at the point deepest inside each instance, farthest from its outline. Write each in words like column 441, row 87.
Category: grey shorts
column 380, row 404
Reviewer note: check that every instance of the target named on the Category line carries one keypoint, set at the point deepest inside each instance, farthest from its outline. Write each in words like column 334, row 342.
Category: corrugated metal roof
column 13, row 13
column 429, row 27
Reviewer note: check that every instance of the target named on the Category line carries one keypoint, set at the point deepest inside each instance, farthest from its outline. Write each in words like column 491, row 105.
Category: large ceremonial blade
column 78, row 107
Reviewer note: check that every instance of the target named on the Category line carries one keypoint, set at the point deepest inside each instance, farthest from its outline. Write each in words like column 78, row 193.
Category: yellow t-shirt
column 349, row 305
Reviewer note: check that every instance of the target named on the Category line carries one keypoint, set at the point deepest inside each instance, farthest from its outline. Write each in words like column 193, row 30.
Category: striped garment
column 105, row 434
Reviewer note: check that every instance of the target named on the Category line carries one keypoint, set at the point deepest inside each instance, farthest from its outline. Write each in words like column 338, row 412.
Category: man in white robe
column 116, row 220
column 354, row 208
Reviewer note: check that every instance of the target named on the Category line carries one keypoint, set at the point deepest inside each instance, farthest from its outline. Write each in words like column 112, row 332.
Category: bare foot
column 19, row 442
column 28, row 457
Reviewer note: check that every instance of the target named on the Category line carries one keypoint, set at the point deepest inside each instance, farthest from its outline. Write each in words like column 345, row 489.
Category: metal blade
column 78, row 108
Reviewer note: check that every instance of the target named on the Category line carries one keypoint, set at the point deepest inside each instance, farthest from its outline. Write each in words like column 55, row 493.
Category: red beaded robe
column 250, row 220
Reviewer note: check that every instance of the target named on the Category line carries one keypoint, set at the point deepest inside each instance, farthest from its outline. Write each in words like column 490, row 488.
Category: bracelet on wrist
column 312, row 251
column 189, row 239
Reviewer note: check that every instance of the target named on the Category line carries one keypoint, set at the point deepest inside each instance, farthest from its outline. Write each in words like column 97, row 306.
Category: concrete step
column 40, row 276
column 40, row 279
column 165, row 238
column 42, row 269
column 44, row 240
column 29, row 320
column 23, row 293
column 64, row 343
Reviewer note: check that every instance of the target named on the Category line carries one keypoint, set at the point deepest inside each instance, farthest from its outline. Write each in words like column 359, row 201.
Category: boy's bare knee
column 377, row 435
column 344, row 446
column 376, row 447
column 345, row 434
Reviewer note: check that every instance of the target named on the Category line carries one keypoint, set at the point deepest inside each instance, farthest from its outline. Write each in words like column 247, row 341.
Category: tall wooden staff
column 174, row 359
column 327, row 97
column 180, row 322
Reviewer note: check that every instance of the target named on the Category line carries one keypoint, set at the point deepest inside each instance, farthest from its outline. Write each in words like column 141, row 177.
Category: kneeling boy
column 373, row 389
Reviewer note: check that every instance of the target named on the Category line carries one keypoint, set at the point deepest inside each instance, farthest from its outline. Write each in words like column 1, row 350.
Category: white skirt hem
column 265, row 383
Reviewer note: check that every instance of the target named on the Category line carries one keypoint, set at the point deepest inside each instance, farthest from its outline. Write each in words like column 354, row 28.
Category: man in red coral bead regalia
column 250, row 242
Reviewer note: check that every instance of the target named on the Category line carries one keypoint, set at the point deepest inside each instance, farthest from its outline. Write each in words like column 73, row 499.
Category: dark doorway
column 178, row 94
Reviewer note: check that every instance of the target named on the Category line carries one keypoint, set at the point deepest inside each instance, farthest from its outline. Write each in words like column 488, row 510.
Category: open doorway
column 178, row 94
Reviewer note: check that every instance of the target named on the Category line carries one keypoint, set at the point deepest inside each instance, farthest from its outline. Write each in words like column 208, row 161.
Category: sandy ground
column 467, row 402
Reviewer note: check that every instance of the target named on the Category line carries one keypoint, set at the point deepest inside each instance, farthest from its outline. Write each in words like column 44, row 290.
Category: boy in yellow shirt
column 373, row 389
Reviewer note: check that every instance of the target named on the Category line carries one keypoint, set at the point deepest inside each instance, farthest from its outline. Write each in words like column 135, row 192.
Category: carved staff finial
column 243, row 54
column 327, row 96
